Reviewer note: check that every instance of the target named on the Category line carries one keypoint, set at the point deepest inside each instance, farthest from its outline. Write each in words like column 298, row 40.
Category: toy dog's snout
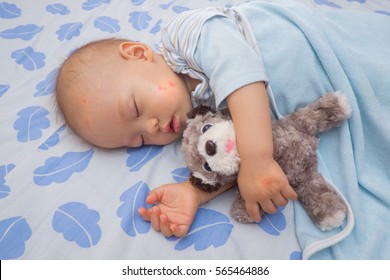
column 210, row 148
column 218, row 148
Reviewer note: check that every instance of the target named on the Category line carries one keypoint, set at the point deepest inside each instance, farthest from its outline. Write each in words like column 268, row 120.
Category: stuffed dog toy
column 210, row 151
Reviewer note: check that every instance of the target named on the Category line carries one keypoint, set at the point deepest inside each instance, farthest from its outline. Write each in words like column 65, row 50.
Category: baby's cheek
column 166, row 86
column 168, row 90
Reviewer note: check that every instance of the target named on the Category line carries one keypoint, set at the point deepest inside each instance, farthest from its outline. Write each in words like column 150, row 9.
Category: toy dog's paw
column 243, row 218
column 332, row 221
column 343, row 102
column 239, row 211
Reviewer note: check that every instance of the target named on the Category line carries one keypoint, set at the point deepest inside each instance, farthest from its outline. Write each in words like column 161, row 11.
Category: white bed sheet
column 61, row 198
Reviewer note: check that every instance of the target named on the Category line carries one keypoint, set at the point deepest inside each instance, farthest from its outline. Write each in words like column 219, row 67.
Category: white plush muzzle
column 221, row 154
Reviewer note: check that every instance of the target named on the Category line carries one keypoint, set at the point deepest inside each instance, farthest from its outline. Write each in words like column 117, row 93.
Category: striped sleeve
column 215, row 46
column 180, row 37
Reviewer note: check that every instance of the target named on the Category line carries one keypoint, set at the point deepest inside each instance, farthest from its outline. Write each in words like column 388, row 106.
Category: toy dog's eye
column 206, row 167
column 206, row 127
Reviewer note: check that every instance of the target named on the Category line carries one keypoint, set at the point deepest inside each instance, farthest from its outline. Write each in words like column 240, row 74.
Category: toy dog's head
column 209, row 147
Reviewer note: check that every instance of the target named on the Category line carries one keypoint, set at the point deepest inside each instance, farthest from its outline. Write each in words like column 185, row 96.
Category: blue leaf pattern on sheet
column 78, row 223
column 3, row 89
column 180, row 174
column 46, row 86
column 53, row 140
column 32, row 40
column 138, row 157
column 14, row 232
column 4, row 170
column 30, row 123
column 137, row 2
column 60, row 169
column 107, row 24
column 296, row 255
column 24, row 32
column 209, row 228
column 92, row 4
column 8, row 10
column 386, row 13
column 360, row 1
column 140, row 20
column 69, row 30
column 180, row 9
column 132, row 199
column 167, row 5
column 327, row 3
column 30, row 59
column 157, row 27
column 273, row 223
column 4, row 190
column 57, row 8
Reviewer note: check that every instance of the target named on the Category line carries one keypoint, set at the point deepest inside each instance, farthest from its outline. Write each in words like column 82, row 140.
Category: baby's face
column 142, row 102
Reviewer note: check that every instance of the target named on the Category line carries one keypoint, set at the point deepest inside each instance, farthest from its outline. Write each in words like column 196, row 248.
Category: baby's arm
column 176, row 207
column 261, row 181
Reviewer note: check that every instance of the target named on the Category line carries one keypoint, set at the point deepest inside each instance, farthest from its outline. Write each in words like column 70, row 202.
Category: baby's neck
column 190, row 82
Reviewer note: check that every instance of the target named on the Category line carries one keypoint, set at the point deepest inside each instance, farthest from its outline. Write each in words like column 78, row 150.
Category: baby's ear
column 135, row 50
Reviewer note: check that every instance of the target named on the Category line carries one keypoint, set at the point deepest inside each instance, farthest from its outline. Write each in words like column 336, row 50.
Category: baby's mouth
column 173, row 126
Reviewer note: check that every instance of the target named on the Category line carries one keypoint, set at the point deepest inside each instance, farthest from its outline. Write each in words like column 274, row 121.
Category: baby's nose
column 152, row 126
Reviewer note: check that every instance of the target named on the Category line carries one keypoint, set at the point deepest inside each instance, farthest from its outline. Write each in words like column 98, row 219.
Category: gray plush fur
column 212, row 157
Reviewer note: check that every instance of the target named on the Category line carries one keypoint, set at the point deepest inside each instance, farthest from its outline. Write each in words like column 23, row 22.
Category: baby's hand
column 175, row 209
column 263, row 185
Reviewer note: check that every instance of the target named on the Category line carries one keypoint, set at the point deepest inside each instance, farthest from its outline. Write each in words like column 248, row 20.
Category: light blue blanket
column 309, row 52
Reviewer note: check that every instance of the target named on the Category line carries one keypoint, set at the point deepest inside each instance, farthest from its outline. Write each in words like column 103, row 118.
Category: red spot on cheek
column 84, row 100
column 166, row 86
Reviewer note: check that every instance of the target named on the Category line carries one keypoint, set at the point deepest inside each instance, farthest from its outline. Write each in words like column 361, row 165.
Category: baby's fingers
column 280, row 200
column 268, row 206
column 165, row 226
column 289, row 193
column 253, row 210
column 155, row 218
column 154, row 196
column 179, row 231
column 145, row 214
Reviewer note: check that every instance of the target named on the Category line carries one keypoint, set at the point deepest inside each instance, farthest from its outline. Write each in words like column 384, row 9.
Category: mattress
column 62, row 198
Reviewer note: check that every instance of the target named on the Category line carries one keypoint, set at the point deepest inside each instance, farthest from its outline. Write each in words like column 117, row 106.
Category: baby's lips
column 176, row 125
column 173, row 126
column 170, row 126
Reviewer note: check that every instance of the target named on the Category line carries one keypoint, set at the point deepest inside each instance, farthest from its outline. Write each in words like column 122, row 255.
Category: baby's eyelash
column 136, row 109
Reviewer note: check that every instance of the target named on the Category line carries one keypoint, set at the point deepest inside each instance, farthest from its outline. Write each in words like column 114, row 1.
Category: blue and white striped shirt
column 215, row 46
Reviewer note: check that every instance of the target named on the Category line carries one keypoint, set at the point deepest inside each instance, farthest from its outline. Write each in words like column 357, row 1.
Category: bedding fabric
column 61, row 198
column 349, row 52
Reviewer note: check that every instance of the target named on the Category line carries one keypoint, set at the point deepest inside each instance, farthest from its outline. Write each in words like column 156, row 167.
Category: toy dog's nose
column 211, row 148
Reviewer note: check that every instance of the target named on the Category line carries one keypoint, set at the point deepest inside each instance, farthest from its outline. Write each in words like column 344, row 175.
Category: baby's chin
column 176, row 137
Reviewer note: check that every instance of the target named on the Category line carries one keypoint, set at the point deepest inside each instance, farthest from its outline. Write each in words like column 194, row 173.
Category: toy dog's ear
column 200, row 110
